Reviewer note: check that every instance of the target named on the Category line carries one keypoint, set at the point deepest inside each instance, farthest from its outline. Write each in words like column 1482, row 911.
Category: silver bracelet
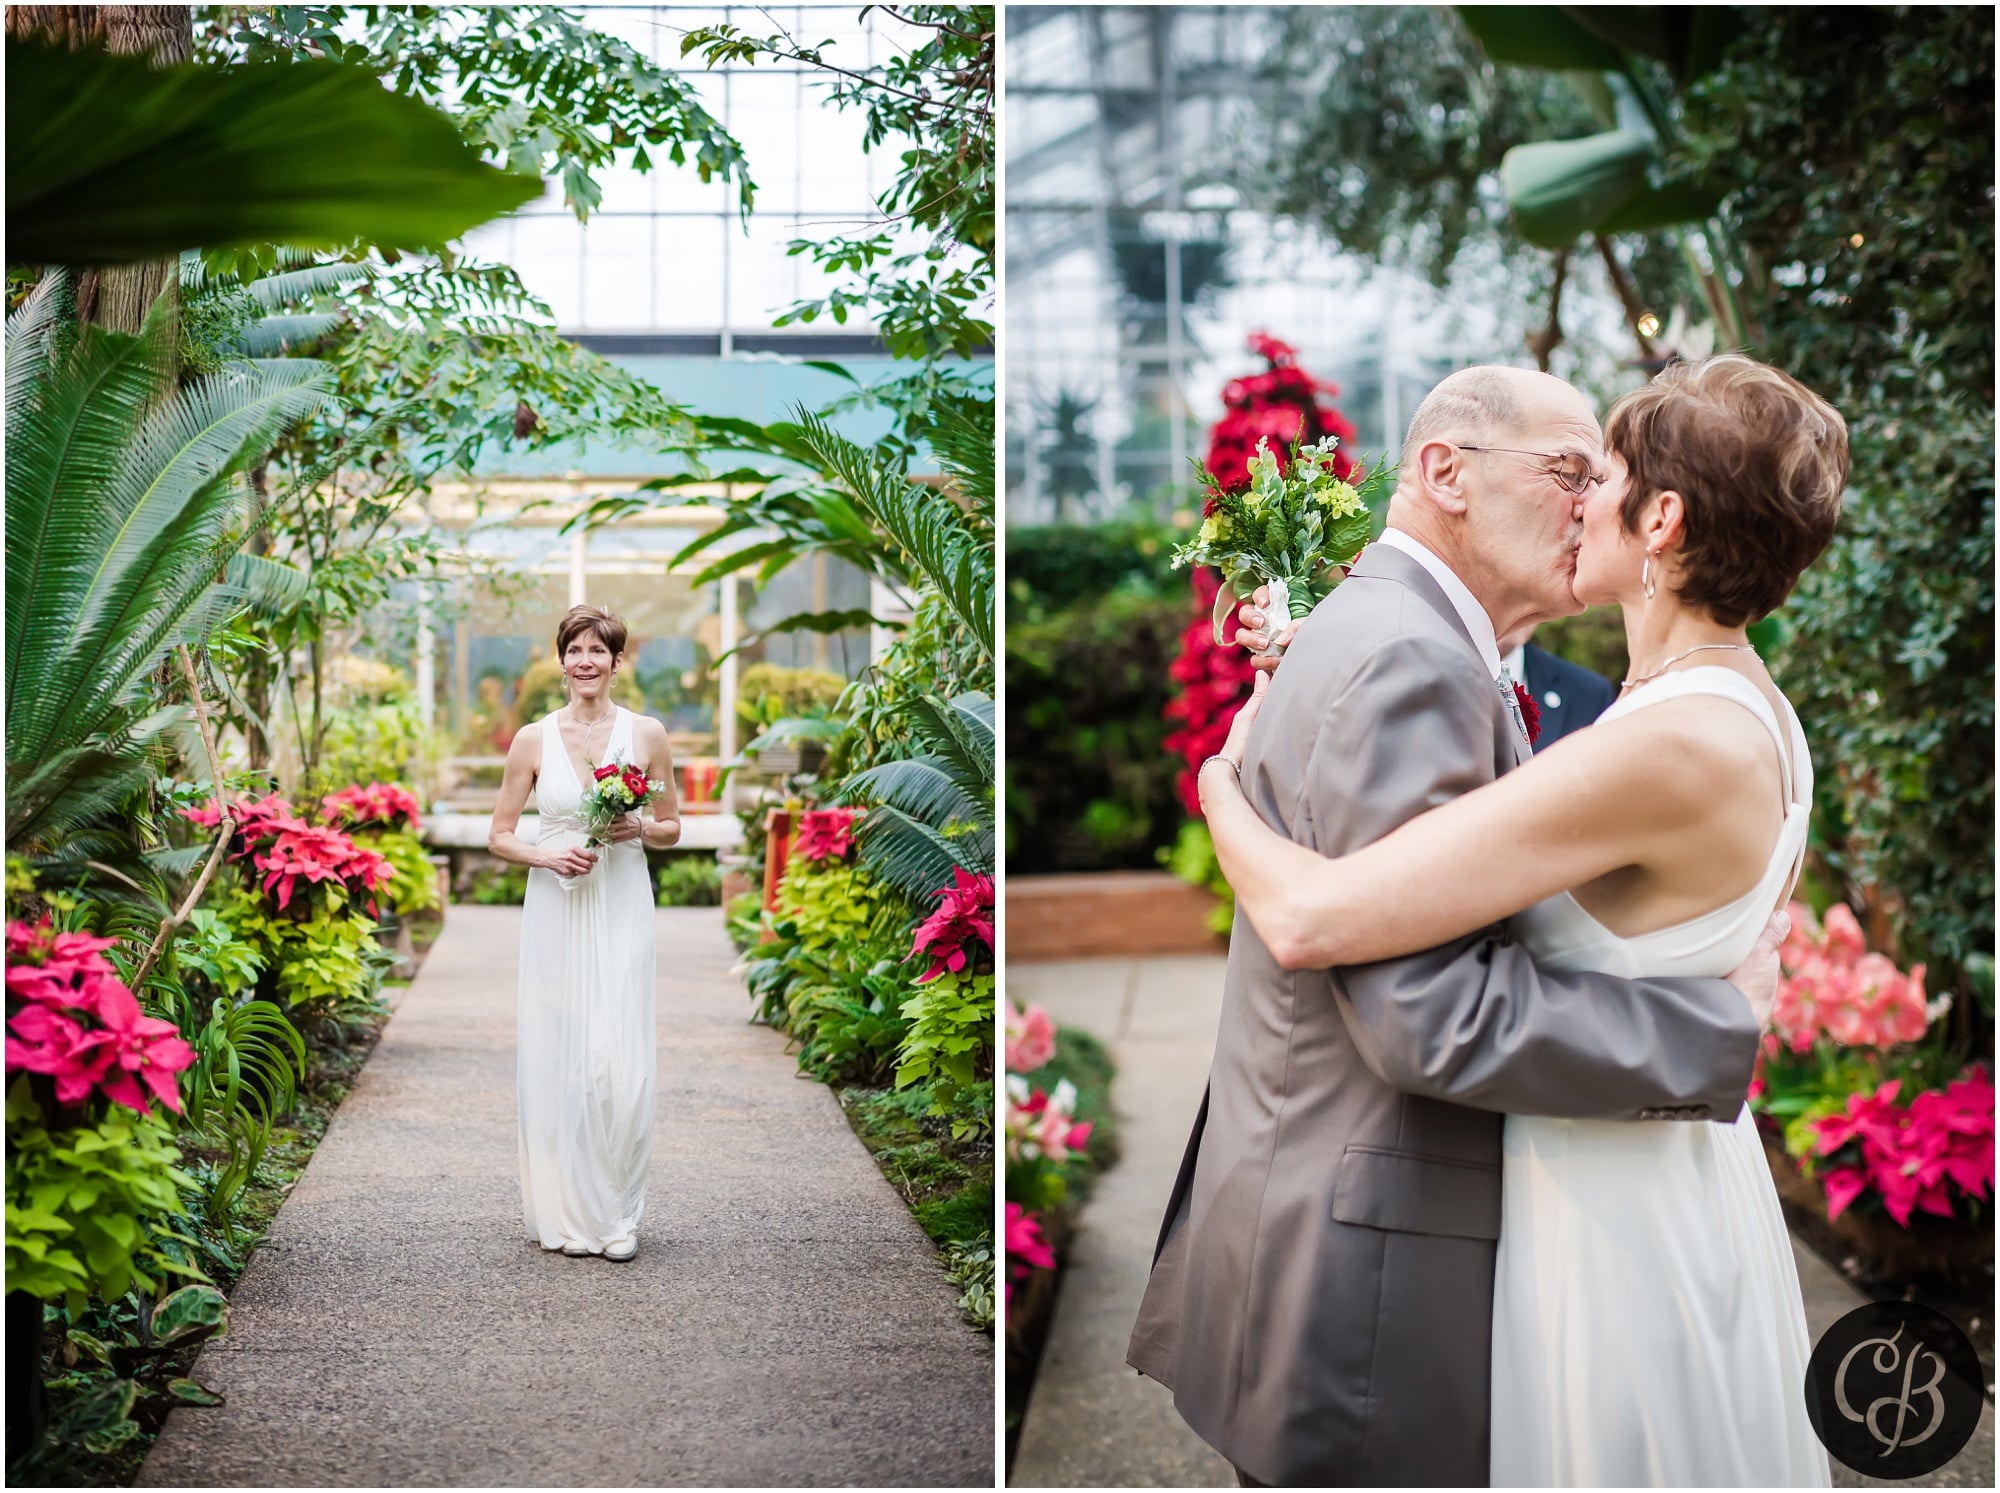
column 1234, row 766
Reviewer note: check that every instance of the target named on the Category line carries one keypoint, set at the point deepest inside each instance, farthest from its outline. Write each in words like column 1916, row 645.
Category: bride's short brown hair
column 1760, row 462
column 609, row 627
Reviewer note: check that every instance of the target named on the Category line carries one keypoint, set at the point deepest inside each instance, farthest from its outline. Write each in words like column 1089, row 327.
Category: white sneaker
column 621, row 1249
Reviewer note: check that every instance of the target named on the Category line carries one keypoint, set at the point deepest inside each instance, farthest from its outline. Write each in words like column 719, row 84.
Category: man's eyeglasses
column 1568, row 468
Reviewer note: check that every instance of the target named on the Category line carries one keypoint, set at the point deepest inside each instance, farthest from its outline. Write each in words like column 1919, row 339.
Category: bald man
column 1321, row 1300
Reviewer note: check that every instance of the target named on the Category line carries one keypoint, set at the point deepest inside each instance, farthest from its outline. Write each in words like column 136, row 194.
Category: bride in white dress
column 587, row 1066
column 1648, row 1326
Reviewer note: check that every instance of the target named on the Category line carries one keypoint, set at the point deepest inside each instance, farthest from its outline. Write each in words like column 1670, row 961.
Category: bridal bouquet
column 616, row 789
column 1287, row 530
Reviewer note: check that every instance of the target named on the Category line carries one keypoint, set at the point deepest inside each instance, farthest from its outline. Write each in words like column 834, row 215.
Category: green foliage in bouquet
column 1294, row 523
column 86, row 1208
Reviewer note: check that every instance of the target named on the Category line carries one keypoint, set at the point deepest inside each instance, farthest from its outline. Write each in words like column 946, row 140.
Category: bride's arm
column 1594, row 802
column 664, row 831
column 503, row 838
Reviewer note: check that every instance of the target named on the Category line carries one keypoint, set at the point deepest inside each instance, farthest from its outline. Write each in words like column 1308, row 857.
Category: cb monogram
column 1900, row 1403
column 1894, row 1390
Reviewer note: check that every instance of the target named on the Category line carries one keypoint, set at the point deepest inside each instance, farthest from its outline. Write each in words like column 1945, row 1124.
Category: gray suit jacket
column 1322, row 1300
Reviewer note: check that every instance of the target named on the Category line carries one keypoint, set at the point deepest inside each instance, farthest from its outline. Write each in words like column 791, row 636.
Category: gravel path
column 786, row 1323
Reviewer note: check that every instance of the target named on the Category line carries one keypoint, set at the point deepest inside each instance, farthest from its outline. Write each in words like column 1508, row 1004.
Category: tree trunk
column 116, row 296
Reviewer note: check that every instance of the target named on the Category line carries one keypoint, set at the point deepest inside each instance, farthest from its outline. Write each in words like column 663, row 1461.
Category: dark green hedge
column 1064, row 565
column 1089, row 787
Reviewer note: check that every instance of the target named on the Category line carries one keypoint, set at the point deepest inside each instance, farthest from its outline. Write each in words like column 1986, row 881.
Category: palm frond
column 925, row 524
column 913, row 857
column 917, row 787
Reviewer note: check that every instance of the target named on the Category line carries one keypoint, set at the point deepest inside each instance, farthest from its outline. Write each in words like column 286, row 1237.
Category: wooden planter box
column 1107, row 914
column 1930, row 1246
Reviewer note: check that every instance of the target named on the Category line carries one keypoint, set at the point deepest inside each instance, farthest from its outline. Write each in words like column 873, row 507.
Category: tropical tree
column 125, row 517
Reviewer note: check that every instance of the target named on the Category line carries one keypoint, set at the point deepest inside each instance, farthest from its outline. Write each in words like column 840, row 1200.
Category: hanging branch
column 1544, row 342
column 225, row 826
column 1627, row 296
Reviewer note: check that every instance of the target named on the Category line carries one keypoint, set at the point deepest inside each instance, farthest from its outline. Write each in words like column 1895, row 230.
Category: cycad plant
column 124, row 517
column 931, row 814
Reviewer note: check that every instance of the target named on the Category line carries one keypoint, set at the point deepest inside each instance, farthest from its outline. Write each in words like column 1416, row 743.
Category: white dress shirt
column 1477, row 623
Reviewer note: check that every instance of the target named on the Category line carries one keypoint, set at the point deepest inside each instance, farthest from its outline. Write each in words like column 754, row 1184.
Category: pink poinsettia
column 318, row 855
column 1912, row 1156
column 80, row 1024
column 389, row 805
column 1031, row 1038
column 288, row 852
column 826, row 834
column 1024, row 1246
column 961, row 926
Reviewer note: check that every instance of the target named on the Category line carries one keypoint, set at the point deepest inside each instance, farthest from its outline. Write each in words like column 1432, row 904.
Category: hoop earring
column 1646, row 576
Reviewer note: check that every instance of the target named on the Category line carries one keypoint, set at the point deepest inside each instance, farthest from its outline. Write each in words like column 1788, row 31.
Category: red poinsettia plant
column 1284, row 404
column 826, row 835
column 71, row 1018
column 375, row 806
column 288, row 855
column 954, row 935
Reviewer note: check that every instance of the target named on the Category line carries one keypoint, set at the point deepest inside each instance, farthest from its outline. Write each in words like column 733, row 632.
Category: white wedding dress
column 1648, row 1329
column 588, row 1064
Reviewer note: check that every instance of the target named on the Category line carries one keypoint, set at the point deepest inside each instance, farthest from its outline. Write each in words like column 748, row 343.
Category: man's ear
column 1441, row 473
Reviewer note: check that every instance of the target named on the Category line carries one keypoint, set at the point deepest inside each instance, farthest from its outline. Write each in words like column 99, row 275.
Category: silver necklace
column 1698, row 647
column 588, row 727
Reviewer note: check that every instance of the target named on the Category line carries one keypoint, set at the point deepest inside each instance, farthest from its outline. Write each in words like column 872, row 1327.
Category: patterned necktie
column 1505, row 684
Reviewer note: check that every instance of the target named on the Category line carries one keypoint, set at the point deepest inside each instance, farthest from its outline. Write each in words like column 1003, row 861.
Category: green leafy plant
column 690, row 879
column 950, row 1042
column 506, row 886
column 414, row 888
column 122, row 509
column 87, row 1207
column 931, row 814
column 320, row 963
column 110, row 159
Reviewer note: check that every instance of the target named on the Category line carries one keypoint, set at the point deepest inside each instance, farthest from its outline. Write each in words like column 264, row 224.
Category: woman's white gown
column 588, row 1065
column 1648, row 1329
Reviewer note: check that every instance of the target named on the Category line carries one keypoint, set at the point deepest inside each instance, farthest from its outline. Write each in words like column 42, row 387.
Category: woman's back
column 1648, row 1327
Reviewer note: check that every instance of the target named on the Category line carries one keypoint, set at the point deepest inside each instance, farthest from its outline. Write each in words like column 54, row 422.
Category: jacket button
column 1552, row 700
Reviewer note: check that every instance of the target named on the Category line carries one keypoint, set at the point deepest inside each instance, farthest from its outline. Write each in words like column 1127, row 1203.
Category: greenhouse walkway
column 1093, row 1422
column 785, row 1323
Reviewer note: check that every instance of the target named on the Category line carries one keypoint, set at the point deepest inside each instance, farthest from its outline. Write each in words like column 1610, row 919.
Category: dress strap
column 1713, row 679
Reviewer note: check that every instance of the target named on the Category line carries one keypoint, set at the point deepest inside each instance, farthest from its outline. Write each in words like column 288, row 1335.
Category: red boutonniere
column 609, row 769
column 1531, row 716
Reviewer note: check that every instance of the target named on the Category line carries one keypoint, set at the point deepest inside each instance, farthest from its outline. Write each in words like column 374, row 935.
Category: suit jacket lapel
column 1383, row 562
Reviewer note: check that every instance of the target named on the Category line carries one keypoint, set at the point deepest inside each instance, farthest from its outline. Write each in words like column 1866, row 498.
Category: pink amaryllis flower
column 826, row 834
column 1024, row 1247
column 962, row 924
column 80, row 1024
column 1831, row 986
column 1031, row 1038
